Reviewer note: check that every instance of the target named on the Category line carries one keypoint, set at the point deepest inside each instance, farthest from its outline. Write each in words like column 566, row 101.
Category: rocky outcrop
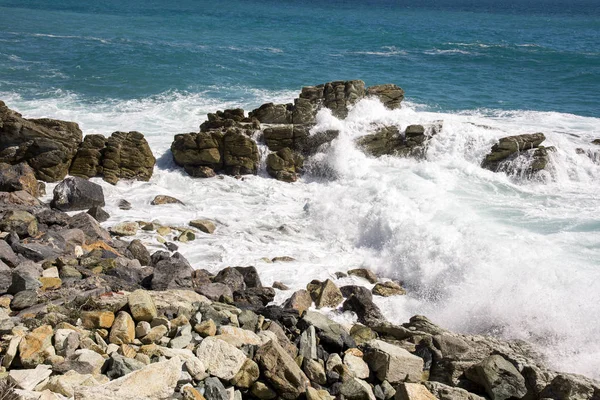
column 390, row 95
column 18, row 177
column 520, row 155
column 388, row 140
column 284, row 165
column 202, row 154
column 124, row 155
column 47, row 145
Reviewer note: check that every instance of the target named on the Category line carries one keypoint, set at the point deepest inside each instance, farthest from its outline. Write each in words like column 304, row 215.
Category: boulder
column 392, row 363
column 230, row 277
column 28, row 379
column 47, row 145
column 357, row 366
column 127, row 156
column 364, row 273
column 509, row 148
column 139, row 252
column 204, row 225
column 156, row 381
column 388, row 288
column 66, row 384
column 123, row 329
column 325, row 294
column 284, row 165
column 215, row 291
column 270, row 113
column 280, row 370
column 87, row 162
column 92, row 229
column 220, row 358
column 368, row 313
column 356, row 389
column 125, row 229
column 7, row 255
column 499, row 377
column 332, row 335
column 25, row 277
column 36, row 346
column 390, row 95
column 299, row 300
column 18, row 177
column 413, row 391
column 5, row 277
column 164, row 199
column 214, row 390
column 172, row 273
column 247, row 375
column 20, row 222
column 388, row 140
column 76, row 193
column 445, row 392
column 97, row 319
column 98, row 214
column 118, row 366
column 142, row 306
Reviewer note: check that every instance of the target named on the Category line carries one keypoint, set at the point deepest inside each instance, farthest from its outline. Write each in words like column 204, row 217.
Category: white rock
column 221, row 359
column 393, row 363
column 28, row 379
column 11, row 351
column 243, row 335
column 50, row 273
column 67, row 383
column 154, row 382
column 357, row 366
column 92, row 358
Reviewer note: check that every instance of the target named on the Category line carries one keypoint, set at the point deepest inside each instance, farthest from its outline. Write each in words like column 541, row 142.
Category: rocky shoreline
column 88, row 313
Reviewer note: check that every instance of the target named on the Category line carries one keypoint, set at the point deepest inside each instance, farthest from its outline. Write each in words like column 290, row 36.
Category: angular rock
column 284, row 165
column 215, row 291
column 24, row 299
column 509, row 148
column 364, row 273
column 164, row 199
column 307, row 346
column 5, row 277
column 263, row 392
column 221, row 359
column 47, row 145
column 214, row 390
column 281, row 371
column 247, row 375
column 392, row 363
column 413, row 391
column 500, row 378
column 250, row 275
column 25, row 277
column 390, row 95
column 67, row 383
column 94, row 361
column 357, row 366
column 22, row 223
column 90, row 227
column 18, row 177
column 7, row 255
column 204, row 225
column 155, row 381
column 388, row 288
column 172, row 273
column 356, row 389
column 332, row 334
column 368, row 313
column 123, row 329
column 232, row 278
column 87, row 162
column 28, row 379
column 98, row 214
column 118, row 366
column 127, row 156
column 142, row 306
column 325, row 294
column 314, row 371
column 36, row 346
column 66, row 341
column 445, row 392
column 75, row 193
column 125, row 229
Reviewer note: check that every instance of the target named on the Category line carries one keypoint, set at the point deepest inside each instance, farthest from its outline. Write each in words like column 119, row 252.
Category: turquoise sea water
column 447, row 54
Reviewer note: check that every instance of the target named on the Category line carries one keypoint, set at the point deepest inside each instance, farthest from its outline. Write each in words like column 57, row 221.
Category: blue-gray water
column 479, row 252
column 447, row 54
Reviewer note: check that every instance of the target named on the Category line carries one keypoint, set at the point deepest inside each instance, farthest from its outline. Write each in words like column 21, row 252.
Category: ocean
column 479, row 252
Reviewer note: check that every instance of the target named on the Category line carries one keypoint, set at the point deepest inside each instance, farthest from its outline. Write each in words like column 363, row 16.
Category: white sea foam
column 478, row 251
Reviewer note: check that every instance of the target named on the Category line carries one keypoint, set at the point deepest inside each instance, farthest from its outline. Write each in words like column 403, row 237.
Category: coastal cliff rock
column 390, row 95
column 284, row 165
column 47, row 145
column 518, row 155
column 124, row 155
column 230, row 151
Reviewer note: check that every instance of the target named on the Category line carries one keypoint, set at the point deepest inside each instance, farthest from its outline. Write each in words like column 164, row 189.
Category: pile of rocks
column 520, row 155
column 54, row 148
column 85, row 314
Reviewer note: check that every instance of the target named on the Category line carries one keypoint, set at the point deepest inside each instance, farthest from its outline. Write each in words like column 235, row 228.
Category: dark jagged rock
column 270, row 113
column 284, row 165
column 251, row 278
column 255, row 297
column 47, row 145
column 232, row 278
column 521, row 154
column 362, row 304
column 23, row 223
column 174, row 272
column 390, row 95
column 139, row 252
column 7, row 255
column 50, row 217
column 18, row 177
column 75, row 193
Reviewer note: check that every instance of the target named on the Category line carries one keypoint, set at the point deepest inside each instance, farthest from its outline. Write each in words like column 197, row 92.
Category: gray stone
column 89, row 226
column 75, row 193
column 500, row 378
column 7, row 255
column 356, row 389
column 5, row 277
column 215, row 291
column 118, row 366
column 221, row 359
column 281, row 371
column 139, row 252
column 28, row 379
column 445, row 392
column 307, row 347
column 232, row 278
column 25, row 277
column 392, row 363
column 172, row 273
column 66, row 341
column 331, row 333
column 214, row 390
column 98, row 213
column 24, row 299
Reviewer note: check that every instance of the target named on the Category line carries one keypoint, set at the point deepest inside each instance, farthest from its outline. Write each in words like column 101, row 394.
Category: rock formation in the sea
column 46, row 145
column 518, row 155
column 54, row 148
column 123, row 155
column 388, row 140
column 229, row 150
column 285, row 130
column 90, row 313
